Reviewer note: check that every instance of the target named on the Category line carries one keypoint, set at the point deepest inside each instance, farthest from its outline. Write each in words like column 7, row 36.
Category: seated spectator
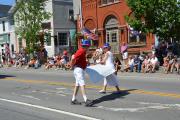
column 31, row 63
column 57, row 61
column 67, row 66
column 145, row 64
column 166, row 64
column 175, row 65
column 64, row 60
column 37, row 64
column 154, row 64
column 130, row 65
column 49, row 64
column 137, row 63
column 18, row 62
column 23, row 60
column 117, row 65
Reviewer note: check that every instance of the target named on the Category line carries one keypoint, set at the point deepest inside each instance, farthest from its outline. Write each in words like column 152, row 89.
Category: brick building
column 107, row 19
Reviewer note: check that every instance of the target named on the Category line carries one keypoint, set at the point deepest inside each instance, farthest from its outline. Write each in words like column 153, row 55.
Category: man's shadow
column 5, row 76
column 111, row 97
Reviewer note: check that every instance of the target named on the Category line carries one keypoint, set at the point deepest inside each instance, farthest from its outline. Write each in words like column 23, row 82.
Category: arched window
column 112, row 33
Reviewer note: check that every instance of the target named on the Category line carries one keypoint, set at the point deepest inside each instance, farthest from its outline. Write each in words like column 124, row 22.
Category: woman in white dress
column 108, row 62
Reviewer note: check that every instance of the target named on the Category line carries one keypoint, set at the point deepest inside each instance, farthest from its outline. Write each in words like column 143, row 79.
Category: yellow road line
column 162, row 94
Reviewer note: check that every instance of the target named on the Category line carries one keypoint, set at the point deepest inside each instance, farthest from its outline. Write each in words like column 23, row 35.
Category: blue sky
column 7, row 2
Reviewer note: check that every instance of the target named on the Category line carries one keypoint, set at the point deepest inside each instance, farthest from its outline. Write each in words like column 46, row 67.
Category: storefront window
column 62, row 38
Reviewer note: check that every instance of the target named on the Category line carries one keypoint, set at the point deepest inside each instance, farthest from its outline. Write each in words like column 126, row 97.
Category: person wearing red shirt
column 79, row 63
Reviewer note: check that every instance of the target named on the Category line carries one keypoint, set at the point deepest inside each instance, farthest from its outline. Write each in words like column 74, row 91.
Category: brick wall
column 95, row 16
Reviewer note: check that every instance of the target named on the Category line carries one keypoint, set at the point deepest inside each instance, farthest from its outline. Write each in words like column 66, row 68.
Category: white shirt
column 131, row 62
column 154, row 60
column 51, row 62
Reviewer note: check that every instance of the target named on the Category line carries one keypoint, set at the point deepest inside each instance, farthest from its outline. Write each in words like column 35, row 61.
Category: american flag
column 90, row 35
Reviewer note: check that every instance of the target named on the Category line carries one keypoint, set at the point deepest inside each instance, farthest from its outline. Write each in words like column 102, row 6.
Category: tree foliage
column 29, row 16
column 161, row 17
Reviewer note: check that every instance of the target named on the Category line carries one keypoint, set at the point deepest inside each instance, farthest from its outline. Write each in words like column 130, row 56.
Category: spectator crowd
column 164, row 56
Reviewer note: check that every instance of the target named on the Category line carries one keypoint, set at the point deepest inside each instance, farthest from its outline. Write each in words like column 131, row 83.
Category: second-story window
column 3, row 25
column 104, row 2
column 108, row 1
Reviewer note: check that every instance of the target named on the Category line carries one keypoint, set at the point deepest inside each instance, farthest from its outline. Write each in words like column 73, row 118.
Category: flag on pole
column 90, row 35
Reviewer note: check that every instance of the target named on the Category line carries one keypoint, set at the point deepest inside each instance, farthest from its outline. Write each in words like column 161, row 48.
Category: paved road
column 45, row 95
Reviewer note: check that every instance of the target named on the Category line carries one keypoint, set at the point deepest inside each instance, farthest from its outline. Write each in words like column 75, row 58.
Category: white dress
column 112, row 78
column 103, row 72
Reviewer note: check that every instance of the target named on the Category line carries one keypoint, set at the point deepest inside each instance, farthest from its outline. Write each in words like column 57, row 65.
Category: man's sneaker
column 88, row 103
column 75, row 102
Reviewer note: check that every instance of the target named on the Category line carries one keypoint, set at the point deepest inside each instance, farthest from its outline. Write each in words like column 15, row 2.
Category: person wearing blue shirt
column 137, row 63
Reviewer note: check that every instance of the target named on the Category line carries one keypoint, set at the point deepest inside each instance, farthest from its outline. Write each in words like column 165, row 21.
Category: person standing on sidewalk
column 124, row 52
column 79, row 63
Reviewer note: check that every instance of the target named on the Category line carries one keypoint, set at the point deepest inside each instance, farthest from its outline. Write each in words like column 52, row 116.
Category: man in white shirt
column 130, row 64
column 154, row 62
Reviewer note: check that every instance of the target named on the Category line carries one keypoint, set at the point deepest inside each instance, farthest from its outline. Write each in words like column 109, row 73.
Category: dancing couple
column 103, row 71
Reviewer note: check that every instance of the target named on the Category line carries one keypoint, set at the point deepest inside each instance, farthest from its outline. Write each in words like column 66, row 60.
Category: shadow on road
column 5, row 76
column 111, row 97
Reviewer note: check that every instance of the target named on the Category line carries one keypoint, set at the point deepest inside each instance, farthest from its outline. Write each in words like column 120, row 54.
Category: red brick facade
column 107, row 18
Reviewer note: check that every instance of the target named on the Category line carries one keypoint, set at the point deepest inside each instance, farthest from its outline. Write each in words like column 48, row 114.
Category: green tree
column 29, row 16
column 160, row 17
